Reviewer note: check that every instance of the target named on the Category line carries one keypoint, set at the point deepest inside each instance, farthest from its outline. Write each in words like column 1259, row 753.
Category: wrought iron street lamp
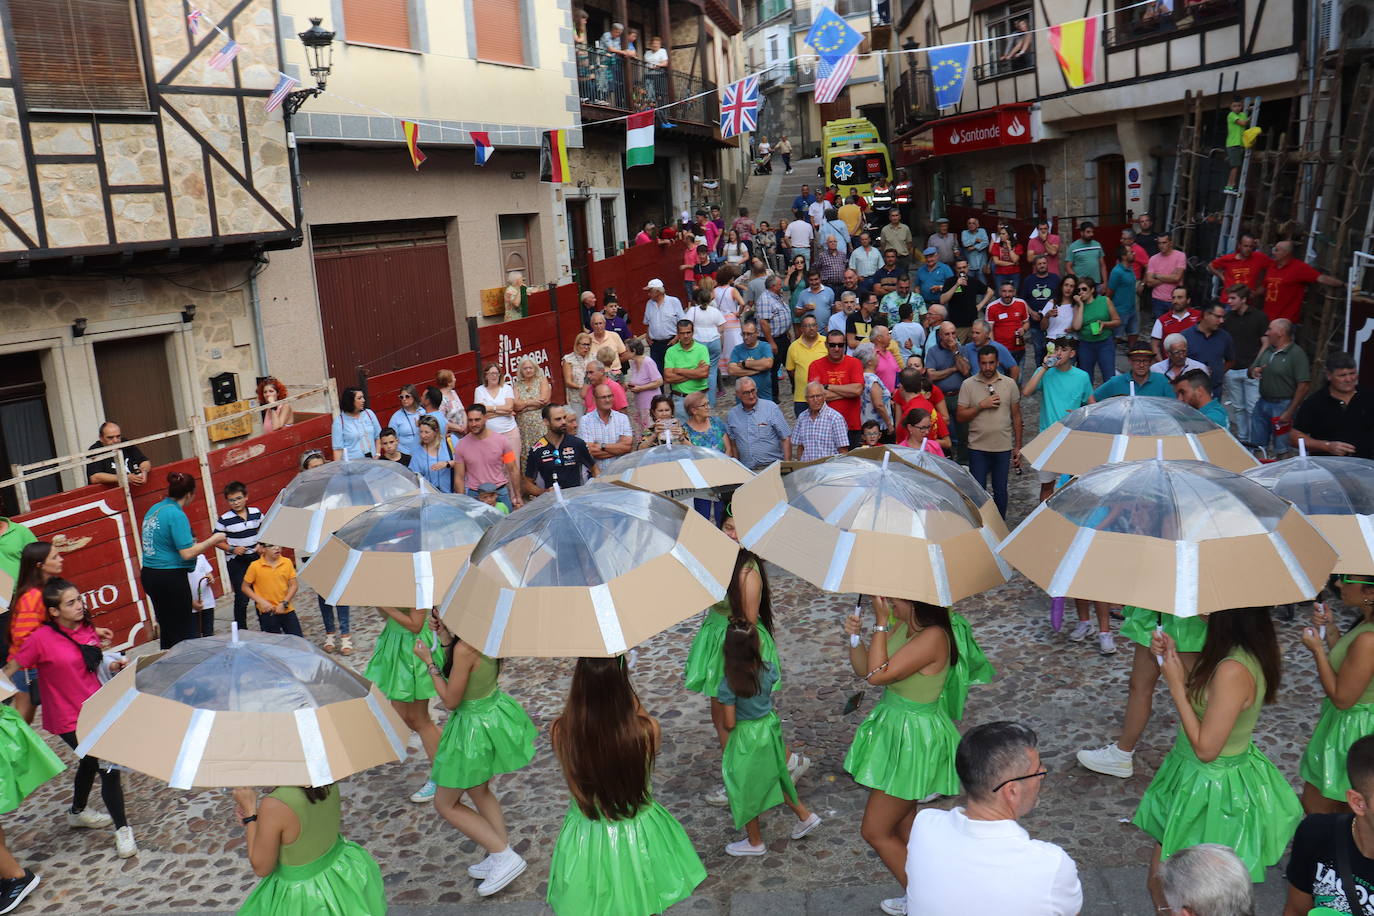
column 319, row 53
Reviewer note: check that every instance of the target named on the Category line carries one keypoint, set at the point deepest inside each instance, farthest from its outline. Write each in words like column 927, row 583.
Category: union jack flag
column 279, row 94
column 193, row 21
column 225, row 55
column 739, row 106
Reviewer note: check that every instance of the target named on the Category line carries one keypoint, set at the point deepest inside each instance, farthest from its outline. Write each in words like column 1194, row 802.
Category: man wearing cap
column 933, row 276
column 1141, row 380
column 1194, row 388
column 661, row 315
column 944, row 242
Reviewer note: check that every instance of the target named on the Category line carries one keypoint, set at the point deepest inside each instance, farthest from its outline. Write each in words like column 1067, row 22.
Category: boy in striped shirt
column 240, row 527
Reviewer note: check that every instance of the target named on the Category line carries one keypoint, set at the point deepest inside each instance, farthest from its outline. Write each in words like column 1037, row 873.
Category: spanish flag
column 553, row 157
column 412, row 132
column 1075, row 44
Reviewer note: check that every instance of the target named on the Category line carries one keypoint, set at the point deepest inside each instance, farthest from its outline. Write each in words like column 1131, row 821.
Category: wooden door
column 577, row 237
column 836, row 110
column 1111, row 190
column 1030, row 191
column 136, row 391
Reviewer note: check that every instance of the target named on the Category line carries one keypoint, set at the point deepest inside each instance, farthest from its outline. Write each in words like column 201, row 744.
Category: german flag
column 553, row 157
column 412, row 132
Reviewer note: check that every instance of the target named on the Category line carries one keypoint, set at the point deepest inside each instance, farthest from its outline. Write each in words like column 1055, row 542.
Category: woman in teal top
column 487, row 733
column 1214, row 785
column 404, row 679
column 169, row 553
column 1347, row 677
column 904, row 751
column 306, row 865
column 1094, row 322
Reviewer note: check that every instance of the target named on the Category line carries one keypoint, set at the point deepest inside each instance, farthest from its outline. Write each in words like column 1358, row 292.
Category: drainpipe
column 259, row 338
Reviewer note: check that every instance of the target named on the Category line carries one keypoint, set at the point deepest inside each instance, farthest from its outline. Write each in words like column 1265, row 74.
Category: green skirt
column 905, row 749
column 755, row 768
column 1323, row 763
column 972, row 668
column 481, row 739
column 395, row 668
column 1188, row 633
column 1241, row 801
column 706, row 659
column 638, row 866
column 26, row 762
column 345, row 881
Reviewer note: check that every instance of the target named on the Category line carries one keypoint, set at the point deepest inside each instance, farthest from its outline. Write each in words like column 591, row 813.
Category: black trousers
column 170, row 592
column 111, row 787
column 238, row 568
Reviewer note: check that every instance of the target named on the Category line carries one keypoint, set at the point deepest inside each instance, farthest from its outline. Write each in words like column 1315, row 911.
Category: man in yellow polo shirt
column 804, row 351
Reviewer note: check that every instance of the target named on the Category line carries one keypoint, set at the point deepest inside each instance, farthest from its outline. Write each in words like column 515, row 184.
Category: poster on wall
column 1134, row 177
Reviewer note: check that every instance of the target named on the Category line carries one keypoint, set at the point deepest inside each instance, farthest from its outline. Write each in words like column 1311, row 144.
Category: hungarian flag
column 639, row 139
column 553, row 157
column 412, row 132
column 1075, row 44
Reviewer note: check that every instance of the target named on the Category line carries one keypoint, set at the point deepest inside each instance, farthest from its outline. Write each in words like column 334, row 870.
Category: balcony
column 880, row 25
column 913, row 101
column 997, row 69
column 612, row 85
column 801, row 13
column 1148, row 24
column 777, row 73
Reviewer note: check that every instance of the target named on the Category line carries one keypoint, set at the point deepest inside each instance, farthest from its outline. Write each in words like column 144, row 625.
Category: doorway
column 1111, row 190
column 136, row 390
column 610, row 228
column 25, row 433
column 1030, row 191
column 577, row 238
column 515, row 247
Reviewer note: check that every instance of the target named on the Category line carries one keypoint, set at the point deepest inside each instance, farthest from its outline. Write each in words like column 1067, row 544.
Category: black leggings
column 111, row 789
column 170, row 592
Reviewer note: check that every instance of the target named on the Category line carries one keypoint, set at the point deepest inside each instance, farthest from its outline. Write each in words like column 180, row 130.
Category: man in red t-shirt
column 1245, row 266
column 843, row 379
column 1286, row 282
column 1009, row 317
column 1140, row 258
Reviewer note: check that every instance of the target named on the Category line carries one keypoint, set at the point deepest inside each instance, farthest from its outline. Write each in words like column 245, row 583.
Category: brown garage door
column 136, row 389
column 386, row 300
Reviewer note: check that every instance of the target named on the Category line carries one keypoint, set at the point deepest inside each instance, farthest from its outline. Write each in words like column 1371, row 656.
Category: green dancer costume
column 1239, row 800
column 755, row 760
column 321, row 873
column 395, row 668
column 706, row 661
column 1188, row 633
column 488, row 733
column 906, row 746
column 637, row 866
column 972, row 668
column 26, row 762
column 1323, row 763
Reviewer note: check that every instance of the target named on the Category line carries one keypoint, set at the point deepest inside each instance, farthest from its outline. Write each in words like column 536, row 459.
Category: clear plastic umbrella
column 679, row 471
column 318, row 501
column 402, row 553
column 875, row 526
column 587, row 571
column 1181, row 537
column 954, row 473
column 1131, row 429
column 242, row 709
column 1337, row 495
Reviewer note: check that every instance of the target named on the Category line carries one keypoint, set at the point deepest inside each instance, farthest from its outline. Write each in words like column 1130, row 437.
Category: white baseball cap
column 655, row 284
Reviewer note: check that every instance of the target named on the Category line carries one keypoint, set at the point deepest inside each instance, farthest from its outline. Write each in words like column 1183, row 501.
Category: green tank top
column 1241, row 732
column 918, row 687
column 482, row 680
column 722, row 607
column 1342, row 646
column 319, row 825
column 1096, row 310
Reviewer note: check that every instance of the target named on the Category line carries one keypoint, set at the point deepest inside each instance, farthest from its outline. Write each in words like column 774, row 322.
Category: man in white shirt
column 606, row 431
column 661, row 314
column 978, row 859
column 800, row 234
column 865, row 259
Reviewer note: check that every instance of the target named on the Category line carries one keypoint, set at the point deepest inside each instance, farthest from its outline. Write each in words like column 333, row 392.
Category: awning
column 1013, row 124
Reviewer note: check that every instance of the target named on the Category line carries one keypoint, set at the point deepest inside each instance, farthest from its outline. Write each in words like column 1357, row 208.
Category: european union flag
column 948, row 70
column 832, row 37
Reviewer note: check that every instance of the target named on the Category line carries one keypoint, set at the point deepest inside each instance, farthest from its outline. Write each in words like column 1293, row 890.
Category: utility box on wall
column 224, row 388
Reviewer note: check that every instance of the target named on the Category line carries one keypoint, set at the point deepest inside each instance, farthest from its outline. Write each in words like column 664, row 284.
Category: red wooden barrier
column 630, row 272
column 384, row 390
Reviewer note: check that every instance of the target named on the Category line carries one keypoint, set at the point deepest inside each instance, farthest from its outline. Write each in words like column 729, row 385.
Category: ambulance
column 854, row 155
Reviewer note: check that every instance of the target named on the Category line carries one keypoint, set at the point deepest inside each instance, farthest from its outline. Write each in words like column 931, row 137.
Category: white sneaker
column 507, row 867
column 1081, row 631
column 483, row 868
column 1109, row 761
column 124, row 842
column 425, row 793
column 806, row 826
column 797, row 765
column 718, row 799
column 1106, row 644
column 89, row 817
column 745, row 848
column 893, row 906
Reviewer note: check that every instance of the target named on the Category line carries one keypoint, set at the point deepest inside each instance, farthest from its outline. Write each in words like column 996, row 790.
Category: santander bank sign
column 1007, row 126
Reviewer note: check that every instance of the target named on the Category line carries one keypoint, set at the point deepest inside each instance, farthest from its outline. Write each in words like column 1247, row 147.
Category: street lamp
column 319, row 53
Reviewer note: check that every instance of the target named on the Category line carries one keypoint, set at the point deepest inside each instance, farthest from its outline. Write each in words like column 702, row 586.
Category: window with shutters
column 378, row 22
column 78, row 55
column 500, row 31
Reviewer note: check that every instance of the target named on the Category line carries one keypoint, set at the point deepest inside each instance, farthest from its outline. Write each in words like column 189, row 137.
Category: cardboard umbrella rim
column 305, row 530
column 191, row 748
column 340, row 574
column 1062, row 449
column 1353, row 538
column 680, row 479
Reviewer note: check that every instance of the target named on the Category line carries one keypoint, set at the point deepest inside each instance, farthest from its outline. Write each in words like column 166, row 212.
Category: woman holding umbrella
column 619, row 852
column 404, row 679
column 1214, row 785
column 487, row 733
column 1347, row 677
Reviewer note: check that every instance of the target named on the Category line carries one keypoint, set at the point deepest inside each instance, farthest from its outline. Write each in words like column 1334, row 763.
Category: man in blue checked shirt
column 757, row 427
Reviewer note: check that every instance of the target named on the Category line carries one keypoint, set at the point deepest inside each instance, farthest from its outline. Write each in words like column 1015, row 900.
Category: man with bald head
column 947, row 366
column 756, row 426
column 1285, row 376
column 104, row 470
column 1286, row 282
column 820, row 431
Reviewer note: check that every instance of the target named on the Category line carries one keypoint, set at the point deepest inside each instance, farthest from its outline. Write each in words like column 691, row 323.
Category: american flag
column 830, row 78
column 193, row 21
column 739, row 106
column 225, row 55
column 279, row 94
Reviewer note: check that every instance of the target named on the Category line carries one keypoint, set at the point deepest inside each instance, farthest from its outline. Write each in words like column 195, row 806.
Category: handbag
column 91, row 656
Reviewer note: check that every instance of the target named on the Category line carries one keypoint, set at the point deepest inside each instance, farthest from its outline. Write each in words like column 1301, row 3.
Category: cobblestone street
column 191, row 848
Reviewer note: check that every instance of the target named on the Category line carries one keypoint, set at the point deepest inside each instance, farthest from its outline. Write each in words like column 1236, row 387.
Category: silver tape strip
column 1199, row 452
column 1002, row 565
column 1021, row 527
column 1062, row 580
column 314, row 532
column 424, row 578
column 452, row 592
column 1058, row 440
column 398, row 747
column 764, row 525
column 1118, row 452
column 846, row 503
column 350, row 566
column 1290, row 562
column 699, row 572
column 940, row 574
column 844, row 546
column 1186, row 578
column 607, row 619
column 500, row 618
column 192, row 749
column 509, row 571
column 312, row 745
column 101, row 727
column 690, row 469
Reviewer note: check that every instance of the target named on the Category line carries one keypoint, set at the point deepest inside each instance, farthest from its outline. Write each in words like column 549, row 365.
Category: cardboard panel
column 1343, row 532
column 380, row 578
column 669, row 475
column 291, row 526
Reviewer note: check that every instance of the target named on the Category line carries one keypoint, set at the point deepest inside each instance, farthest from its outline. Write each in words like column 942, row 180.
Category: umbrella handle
column 1321, row 606
column 1159, row 628
column 858, row 606
column 1057, row 614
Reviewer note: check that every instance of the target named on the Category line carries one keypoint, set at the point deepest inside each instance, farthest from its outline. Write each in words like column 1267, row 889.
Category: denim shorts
column 26, row 681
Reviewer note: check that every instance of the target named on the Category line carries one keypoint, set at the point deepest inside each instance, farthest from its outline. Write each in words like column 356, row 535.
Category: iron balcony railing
column 913, row 101
column 611, row 84
column 1159, row 21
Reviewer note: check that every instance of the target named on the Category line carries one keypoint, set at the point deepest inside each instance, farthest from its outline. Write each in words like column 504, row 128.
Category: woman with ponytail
column 169, row 553
column 619, row 852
